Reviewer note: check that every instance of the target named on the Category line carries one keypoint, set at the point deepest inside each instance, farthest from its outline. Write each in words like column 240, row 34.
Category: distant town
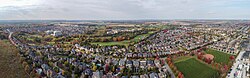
column 128, row 48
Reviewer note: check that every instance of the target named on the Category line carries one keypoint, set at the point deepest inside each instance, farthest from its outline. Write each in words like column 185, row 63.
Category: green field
column 125, row 42
column 192, row 68
column 183, row 58
column 219, row 56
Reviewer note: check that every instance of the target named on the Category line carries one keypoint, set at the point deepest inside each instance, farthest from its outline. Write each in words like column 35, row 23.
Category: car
column 228, row 75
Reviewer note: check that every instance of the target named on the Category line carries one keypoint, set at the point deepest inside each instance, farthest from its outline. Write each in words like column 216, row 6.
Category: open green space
column 192, row 68
column 51, row 43
column 125, row 42
column 183, row 58
column 10, row 66
column 139, row 37
column 219, row 56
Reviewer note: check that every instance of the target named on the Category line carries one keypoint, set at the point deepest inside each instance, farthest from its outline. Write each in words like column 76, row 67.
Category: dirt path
column 10, row 67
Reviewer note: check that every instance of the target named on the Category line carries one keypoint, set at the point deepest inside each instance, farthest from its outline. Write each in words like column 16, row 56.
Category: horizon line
column 115, row 19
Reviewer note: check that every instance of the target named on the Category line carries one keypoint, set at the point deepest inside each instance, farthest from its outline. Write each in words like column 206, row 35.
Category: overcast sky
column 123, row 9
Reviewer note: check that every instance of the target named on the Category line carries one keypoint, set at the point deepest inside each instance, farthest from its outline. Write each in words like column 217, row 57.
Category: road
column 10, row 38
column 235, row 65
column 169, row 69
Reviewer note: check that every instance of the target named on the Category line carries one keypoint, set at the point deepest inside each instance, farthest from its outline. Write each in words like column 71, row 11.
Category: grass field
column 125, row 42
column 183, row 58
column 192, row 68
column 219, row 57
column 10, row 67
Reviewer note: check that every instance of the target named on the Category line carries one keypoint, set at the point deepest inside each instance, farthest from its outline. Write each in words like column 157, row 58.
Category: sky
column 123, row 9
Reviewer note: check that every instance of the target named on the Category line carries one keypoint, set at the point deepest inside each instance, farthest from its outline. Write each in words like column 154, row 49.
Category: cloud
column 123, row 9
column 211, row 13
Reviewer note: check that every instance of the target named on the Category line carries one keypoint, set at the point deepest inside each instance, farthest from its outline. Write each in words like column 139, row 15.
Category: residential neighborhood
column 135, row 50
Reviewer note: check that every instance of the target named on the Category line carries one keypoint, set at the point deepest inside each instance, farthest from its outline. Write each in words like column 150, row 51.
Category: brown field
column 10, row 66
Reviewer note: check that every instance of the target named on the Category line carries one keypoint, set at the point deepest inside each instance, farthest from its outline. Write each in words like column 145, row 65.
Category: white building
column 57, row 33
column 54, row 33
column 49, row 32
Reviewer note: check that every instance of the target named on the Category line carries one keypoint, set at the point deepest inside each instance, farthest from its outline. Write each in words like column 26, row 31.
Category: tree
column 225, row 67
column 50, row 63
column 114, row 39
column 94, row 68
column 48, row 39
column 232, row 57
column 27, row 68
column 128, row 38
column 113, row 68
column 180, row 75
column 123, row 38
column 200, row 56
column 106, row 68
column 119, row 38
column 210, row 61
column 103, row 39
column 66, row 63
column 168, row 59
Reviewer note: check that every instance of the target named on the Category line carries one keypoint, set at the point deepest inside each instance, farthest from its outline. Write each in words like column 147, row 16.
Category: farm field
column 192, row 68
column 219, row 57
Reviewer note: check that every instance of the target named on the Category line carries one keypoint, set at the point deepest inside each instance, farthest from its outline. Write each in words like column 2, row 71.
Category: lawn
column 139, row 37
column 219, row 56
column 51, row 43
column 192, row 68
column 125, row 42
column 183, row 58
